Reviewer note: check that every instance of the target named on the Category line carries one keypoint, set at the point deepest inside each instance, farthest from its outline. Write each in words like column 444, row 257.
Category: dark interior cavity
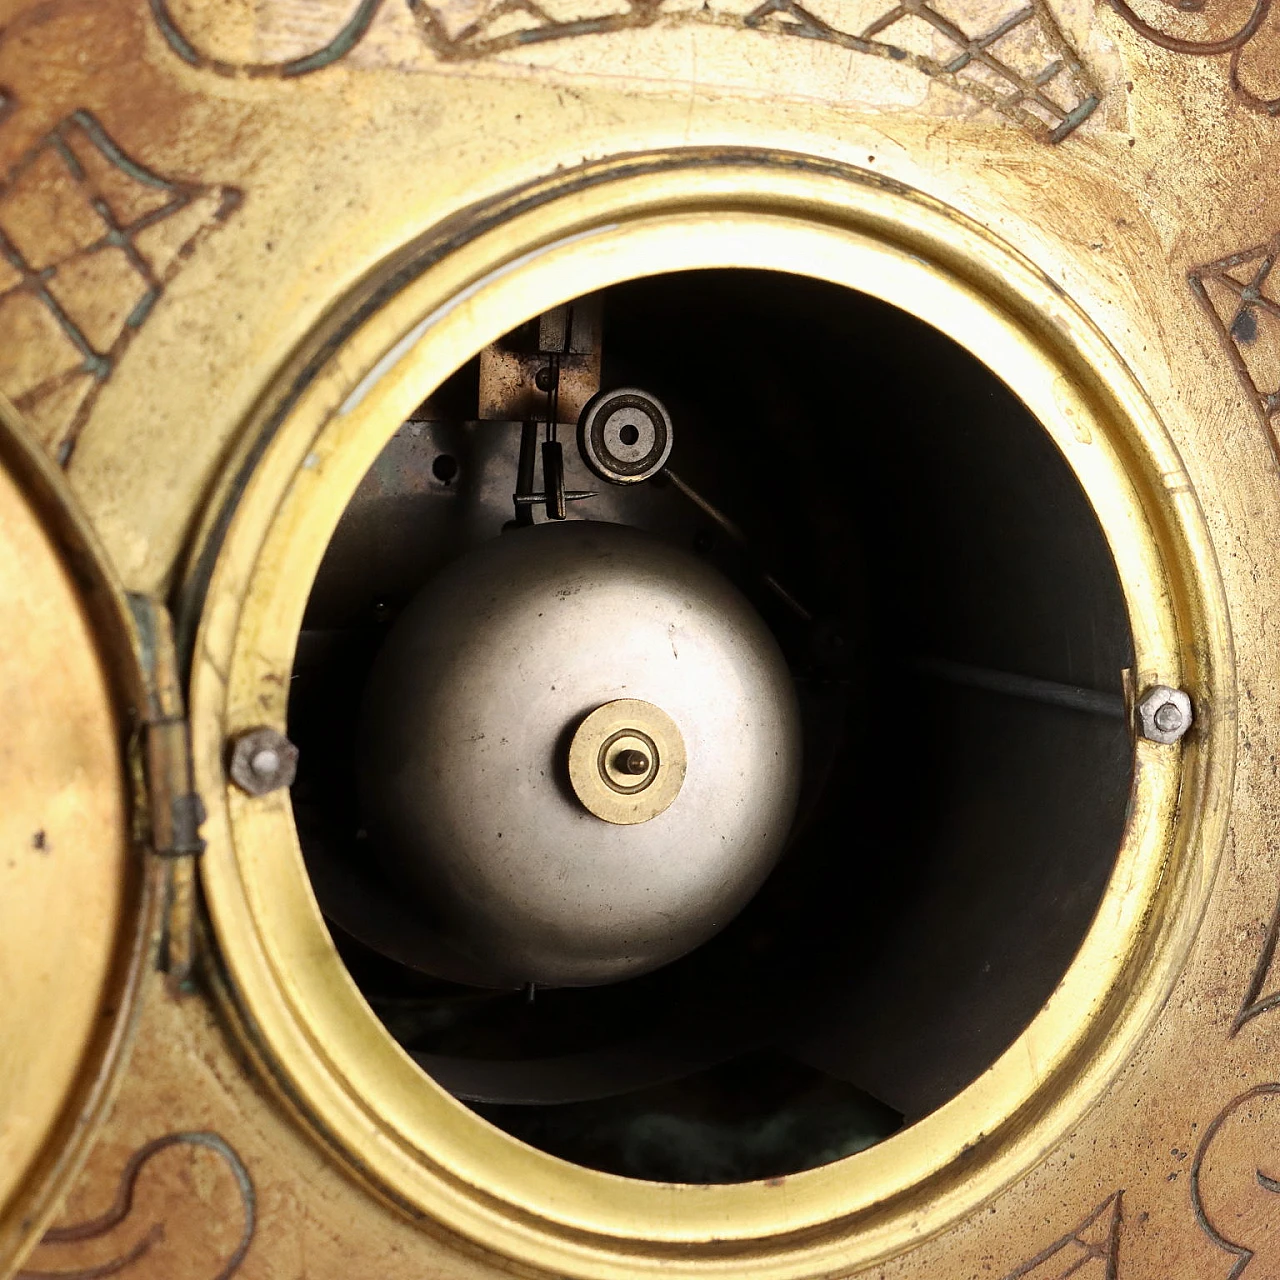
column 954, row 625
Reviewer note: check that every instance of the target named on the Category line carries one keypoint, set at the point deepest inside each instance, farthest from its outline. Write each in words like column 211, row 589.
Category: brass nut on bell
column 627, row 761
column 1164, row 714
column 262, row 760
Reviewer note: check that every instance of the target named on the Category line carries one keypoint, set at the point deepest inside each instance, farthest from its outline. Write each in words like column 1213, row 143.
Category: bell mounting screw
column 262, row 760
column 1164, row 714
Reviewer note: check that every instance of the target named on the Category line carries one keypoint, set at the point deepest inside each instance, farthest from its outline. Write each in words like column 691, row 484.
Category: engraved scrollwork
column 1017, row 63
column 1238, row 297
column 1234, row 43
column 347, row 37
column 1090, row 1251
column 1236, row 294
column 90, row 238
column 1030, row 94
column 1257, row 999
column 122, row 1208
column 1231, row 1192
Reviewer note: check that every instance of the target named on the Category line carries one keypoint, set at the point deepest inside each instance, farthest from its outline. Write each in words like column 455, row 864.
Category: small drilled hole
column 629, row 434
column 444, row 468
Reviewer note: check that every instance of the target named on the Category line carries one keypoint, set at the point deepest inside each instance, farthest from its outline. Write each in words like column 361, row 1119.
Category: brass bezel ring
column 435, row 304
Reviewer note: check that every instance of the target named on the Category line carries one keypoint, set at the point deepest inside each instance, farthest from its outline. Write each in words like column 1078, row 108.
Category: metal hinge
column 172, row 811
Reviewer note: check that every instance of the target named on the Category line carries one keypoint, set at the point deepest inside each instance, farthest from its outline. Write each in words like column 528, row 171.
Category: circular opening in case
column 921, row 564
column 951, row 637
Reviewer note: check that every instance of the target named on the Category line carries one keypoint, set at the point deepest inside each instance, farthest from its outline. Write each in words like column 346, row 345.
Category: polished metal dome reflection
column 581, row 749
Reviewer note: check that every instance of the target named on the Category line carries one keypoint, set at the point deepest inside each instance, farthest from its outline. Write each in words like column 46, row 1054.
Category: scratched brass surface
column 219, row 219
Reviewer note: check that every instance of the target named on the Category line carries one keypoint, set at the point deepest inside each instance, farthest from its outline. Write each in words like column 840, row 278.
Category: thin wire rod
column 735, row 532
column 1051, row 692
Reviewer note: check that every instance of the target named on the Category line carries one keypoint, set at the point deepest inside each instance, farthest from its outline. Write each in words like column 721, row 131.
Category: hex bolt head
column 1164, row 714
column 262, row 760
